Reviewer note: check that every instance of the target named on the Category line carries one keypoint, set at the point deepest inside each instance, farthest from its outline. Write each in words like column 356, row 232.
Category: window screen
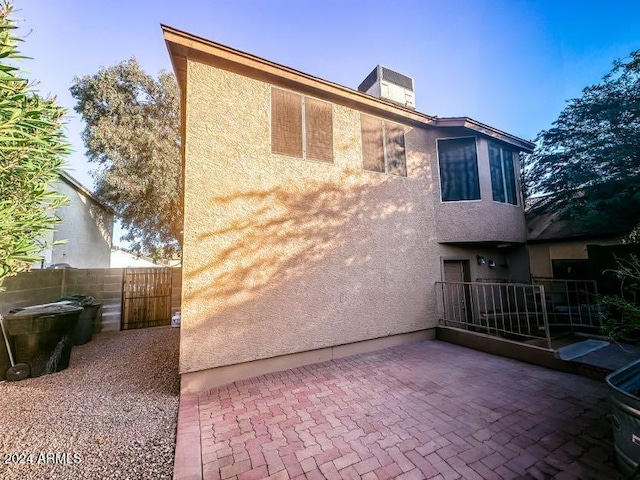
column 319, row 130
column 383, row 148
column 394, row 148
column 372, row 144
column 497, row 175
column 286, row 123
column 458, row 169
column 508, row 166
column 503, row 176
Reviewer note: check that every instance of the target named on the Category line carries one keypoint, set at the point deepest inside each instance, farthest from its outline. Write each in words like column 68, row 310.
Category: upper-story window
column 301, row 126
column 458, row 164
column 503, row 174
column 383, row 148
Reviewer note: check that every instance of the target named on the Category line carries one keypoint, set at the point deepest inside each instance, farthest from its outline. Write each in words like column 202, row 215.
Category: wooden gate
column 146, row 297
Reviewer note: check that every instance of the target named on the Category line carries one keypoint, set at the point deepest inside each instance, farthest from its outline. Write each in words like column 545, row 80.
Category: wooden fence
column 146, row 297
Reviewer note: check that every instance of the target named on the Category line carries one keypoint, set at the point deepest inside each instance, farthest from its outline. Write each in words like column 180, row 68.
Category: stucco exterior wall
column 88, row 229
column 283, row 255
column 476, row 220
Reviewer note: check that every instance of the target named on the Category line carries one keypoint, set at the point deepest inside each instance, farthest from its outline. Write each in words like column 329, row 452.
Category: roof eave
column 470, row 123
column 182, row 46
column 77, row 186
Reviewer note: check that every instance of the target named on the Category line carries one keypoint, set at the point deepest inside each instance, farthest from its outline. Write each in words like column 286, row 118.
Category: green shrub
column 32, row 149
column 622, row 319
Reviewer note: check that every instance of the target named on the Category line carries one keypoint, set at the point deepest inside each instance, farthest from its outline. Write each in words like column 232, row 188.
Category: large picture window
column 458, row 163
column 301, row 126
column 503, row 174
column 383, row 148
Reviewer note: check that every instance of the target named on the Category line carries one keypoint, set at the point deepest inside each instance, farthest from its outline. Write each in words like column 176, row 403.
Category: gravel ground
column 111, row 414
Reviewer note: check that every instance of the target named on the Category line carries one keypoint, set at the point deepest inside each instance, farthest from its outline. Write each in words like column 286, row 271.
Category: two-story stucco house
column 318, row 218
column 86, row 226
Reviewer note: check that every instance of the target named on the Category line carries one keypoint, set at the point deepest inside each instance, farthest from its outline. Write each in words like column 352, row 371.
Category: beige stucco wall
column 283, row 255
column 477, row 220
column 87, row 228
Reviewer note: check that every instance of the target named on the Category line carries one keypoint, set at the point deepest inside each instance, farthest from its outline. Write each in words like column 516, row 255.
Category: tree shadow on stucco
column 287, row 265
column 285, row 230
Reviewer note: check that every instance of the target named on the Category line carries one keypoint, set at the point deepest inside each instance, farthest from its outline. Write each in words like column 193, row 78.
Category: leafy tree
column 622, row 315
column 32, row 148
column 132, row 134
column 590, row 158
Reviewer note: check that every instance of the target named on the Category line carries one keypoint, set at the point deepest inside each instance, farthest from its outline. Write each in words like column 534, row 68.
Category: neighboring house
column 123, row 258
column 86, row 225
column 558, row 247
column 318, row 218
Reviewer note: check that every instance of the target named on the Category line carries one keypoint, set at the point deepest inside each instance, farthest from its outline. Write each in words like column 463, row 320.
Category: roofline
column 488, row 130
column 84, row 190
column 580, row 236
column 183, row 45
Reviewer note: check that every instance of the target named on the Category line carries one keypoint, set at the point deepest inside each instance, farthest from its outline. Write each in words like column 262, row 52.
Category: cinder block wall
column 37, row 286
column 103, row 284
column 43, row 286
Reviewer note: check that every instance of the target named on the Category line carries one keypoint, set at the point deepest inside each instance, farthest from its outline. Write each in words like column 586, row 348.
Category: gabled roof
column 78, row 187
column 183, row 45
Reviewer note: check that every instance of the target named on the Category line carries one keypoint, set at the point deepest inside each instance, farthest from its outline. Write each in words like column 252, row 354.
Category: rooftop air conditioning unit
column 389, row 85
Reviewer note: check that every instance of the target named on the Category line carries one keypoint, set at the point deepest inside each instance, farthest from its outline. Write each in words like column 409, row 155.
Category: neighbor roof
column 183, row 46
column 77, row 186
column 545, row 223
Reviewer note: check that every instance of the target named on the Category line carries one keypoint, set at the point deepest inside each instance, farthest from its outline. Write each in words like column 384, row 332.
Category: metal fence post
column 545, row 318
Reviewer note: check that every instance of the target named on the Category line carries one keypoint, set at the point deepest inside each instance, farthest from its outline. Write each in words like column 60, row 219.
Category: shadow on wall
column 282, row 230
column 104, row 222
column 318, row 248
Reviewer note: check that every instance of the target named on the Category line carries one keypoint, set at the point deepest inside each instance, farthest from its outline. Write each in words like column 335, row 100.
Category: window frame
column 303, row 126
column 516, row 183
column 386, row 171
column 475, row 140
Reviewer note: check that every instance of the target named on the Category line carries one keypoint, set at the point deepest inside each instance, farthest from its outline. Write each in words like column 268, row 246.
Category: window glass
column 458, row 162
column 503, row 175
column 509, row 177
column 497, row 176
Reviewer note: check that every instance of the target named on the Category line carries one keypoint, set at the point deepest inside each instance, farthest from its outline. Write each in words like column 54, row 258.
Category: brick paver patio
column 429, row 410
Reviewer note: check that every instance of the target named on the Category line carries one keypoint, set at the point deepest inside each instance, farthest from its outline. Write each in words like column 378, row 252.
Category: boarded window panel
column 372, row 144
column 286, row 123
column 394, row 145
column 319, row 130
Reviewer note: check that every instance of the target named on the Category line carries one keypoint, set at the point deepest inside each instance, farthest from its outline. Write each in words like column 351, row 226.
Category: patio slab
column 428, row 410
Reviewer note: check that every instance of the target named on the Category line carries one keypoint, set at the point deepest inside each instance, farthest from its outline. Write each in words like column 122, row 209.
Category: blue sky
column 511, row 64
